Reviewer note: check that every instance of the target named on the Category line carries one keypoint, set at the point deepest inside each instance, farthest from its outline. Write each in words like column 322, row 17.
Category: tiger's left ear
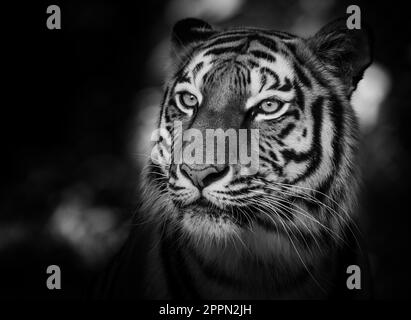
column 345, row 52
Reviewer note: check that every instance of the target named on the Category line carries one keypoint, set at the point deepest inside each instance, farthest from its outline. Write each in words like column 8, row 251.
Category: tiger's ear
column 345, row 52
column 188, row 32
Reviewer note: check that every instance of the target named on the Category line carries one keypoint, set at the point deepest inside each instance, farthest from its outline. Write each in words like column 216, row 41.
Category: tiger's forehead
column 261, row 65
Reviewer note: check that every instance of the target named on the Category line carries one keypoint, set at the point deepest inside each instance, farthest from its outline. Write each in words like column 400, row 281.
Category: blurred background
column 76, row 131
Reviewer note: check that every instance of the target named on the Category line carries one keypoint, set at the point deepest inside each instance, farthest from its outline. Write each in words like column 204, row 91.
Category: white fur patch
column 205, row 227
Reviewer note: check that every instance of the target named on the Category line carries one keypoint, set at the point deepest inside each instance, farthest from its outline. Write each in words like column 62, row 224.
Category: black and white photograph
column 204, row 156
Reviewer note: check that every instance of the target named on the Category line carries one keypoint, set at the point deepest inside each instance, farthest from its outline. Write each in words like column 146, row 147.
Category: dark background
column 74, row 120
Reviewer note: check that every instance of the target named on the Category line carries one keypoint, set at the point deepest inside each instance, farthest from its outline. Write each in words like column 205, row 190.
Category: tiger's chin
column 204, row 223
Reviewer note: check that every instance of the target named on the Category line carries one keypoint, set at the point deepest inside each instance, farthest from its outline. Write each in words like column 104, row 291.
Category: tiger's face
column 275, row 88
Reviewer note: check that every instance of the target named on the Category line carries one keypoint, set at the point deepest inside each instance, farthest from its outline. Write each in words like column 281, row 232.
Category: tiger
column 217, row 231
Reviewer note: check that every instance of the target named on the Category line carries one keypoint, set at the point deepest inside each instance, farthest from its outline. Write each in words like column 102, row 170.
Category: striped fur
column 273, row 234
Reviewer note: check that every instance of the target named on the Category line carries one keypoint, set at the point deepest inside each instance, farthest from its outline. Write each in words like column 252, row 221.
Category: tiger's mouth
column 204, row 206
column 206, row 210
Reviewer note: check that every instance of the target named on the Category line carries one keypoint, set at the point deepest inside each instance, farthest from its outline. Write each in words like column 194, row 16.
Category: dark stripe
column 225, row 50
column 286, row 86
column 275, row 167
column 294, row 113
column 263, row 81
column 263, row 55
column 243, row 33
column 163, row 103
column 273, row 155
column 175, row 188
column 167, row 117
column 304, row 132
column 302, row 76
column 197, row 69
column 213, row 73
column 285, row 53
column 286, row 131
column 316, row 74
column 222, row 41
column 252, row 64
column 283, row 35
column 172, row 172
column 266, row 42
column 240, row 192
column 241, row 64
column 272, row 74
column 184, row 78
column 244, row 76
column 337, row 117
column 298, row 157
column 315, row 152
column 299, row 95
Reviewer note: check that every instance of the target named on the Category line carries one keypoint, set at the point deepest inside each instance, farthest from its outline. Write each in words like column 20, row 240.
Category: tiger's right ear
column 188, row 32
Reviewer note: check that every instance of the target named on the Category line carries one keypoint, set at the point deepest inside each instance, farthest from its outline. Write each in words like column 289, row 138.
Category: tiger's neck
column 228, row 271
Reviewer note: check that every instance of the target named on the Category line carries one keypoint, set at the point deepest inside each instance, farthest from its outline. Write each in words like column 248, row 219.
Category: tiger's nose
column 202, row 176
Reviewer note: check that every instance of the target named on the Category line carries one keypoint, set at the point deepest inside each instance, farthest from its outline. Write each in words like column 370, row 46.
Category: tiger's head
column 290, row 98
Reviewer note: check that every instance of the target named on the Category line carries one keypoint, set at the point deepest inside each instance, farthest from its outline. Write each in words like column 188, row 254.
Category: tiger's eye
column 269, row 106
column 188, row 100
